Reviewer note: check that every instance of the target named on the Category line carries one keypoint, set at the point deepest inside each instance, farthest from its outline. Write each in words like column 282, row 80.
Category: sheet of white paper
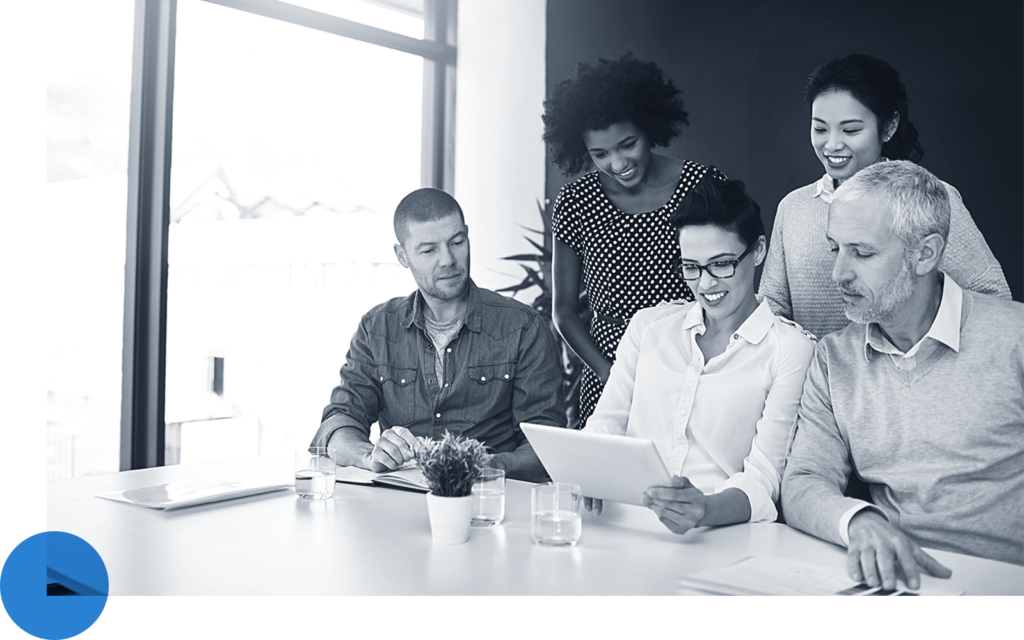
column 187, row 493
column 767, row 575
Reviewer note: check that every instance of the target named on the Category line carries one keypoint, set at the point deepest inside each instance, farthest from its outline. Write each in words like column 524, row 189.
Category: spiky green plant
column 539, row 275
column 452, row 464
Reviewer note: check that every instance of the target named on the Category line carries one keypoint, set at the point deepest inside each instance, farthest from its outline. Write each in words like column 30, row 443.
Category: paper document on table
column 408, row 476
column 187, row 493
column 767, row 575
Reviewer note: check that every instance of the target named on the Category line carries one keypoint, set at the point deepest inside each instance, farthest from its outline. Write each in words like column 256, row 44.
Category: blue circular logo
column 54, row 585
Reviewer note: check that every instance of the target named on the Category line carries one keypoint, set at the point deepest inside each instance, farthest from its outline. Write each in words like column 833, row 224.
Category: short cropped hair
column 606, row 93
column 917, row 199
column 723, row 202
column 424, row 205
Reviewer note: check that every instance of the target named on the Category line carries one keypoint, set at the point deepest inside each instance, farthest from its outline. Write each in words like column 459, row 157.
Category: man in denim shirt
column 450, row 357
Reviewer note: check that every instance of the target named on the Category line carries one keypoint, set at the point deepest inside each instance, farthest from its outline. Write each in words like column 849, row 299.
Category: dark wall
column 742, row 66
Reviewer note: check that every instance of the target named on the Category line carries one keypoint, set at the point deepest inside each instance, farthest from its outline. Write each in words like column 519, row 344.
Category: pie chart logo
column 54, row 585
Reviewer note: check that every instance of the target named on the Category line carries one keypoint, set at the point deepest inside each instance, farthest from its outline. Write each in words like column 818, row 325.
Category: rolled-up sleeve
column 818, row 466
column 761, row 477
column 537, row 393
column 357, row 399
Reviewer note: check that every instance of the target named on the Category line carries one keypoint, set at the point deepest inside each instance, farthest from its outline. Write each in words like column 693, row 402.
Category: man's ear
column 929, row 254
column 400, row 254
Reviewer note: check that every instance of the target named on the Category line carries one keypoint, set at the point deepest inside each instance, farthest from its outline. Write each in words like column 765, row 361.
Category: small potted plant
column 450, row 465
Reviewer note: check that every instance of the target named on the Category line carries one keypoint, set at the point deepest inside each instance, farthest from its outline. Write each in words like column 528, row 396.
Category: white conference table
column 376, row 541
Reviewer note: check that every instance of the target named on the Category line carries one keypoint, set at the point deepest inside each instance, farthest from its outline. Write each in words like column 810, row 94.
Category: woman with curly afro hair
column 611, row 226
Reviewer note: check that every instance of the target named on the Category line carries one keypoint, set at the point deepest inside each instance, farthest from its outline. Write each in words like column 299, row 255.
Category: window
column 291, row 148
column 88, row 102
column 255, row 236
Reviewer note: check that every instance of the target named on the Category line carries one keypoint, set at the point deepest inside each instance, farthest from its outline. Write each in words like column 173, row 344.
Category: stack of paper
column 187, row 493
column 769, row 576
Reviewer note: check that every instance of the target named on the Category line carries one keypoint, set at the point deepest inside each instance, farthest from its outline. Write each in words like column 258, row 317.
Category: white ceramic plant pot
column 449, row 518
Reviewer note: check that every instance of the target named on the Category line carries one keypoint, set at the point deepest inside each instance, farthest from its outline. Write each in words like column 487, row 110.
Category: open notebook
column 408, row 477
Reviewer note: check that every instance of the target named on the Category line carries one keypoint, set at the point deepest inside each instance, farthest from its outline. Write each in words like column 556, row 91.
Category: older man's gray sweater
column 941, row 446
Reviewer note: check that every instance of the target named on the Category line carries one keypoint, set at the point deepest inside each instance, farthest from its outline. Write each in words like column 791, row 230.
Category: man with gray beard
column 922, row 397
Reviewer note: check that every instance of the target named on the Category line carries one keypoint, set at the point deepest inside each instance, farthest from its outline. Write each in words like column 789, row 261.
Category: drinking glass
column 557, row 510
column 489, row 498
column 314, row 473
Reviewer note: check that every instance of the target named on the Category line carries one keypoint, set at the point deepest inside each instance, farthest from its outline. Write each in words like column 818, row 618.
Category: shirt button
column 506, row 376
column 437, row 415
column 735, row 336
column 382, row 378
column 483, row 378
column 403, row 380
column 449, row 349
column 446, row 385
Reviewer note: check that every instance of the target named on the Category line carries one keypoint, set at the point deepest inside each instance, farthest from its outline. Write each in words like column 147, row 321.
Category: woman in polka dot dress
column 611, row 226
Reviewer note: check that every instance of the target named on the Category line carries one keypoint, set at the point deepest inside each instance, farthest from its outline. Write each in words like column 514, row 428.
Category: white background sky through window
column 291, row 148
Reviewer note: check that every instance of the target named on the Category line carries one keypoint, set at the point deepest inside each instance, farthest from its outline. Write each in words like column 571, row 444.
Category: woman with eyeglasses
column 714, row 383
column 858, row 117
column 610, row 226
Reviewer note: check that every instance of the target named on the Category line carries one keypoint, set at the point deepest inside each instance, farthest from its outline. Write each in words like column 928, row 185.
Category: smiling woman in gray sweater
column 858, row 118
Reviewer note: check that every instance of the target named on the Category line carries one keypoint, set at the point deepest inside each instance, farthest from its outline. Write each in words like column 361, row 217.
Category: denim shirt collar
column 474, row 310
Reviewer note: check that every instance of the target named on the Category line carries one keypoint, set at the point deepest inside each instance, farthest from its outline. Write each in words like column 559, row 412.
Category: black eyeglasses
column 722, row 269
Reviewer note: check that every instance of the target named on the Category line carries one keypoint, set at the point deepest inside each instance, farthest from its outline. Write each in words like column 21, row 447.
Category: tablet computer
column 609, row 467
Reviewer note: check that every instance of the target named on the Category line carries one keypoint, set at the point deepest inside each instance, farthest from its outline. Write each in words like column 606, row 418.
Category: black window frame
column 149, row 174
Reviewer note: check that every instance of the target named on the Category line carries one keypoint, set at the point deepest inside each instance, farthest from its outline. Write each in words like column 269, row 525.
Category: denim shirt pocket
column 492, row 373
column 490, row 385
column 399, row 394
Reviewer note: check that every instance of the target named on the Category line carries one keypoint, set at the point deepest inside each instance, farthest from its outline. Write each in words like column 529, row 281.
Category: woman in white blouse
column 714, row 383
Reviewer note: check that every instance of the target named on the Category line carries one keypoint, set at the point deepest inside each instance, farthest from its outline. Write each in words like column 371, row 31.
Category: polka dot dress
column 626, row 261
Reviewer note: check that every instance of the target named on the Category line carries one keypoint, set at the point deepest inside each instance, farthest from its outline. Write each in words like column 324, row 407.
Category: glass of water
column 314, row 473
column 557, row 510
column 489, row 498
